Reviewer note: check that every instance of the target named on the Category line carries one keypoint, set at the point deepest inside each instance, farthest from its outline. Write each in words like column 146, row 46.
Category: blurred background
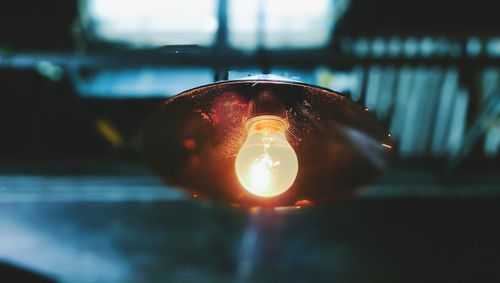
column 79, row 78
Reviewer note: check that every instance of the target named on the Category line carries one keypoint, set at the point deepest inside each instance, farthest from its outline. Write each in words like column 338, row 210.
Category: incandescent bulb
column 266, row 164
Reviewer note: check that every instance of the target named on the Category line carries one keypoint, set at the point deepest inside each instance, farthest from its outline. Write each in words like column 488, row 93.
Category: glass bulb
column 266, row 164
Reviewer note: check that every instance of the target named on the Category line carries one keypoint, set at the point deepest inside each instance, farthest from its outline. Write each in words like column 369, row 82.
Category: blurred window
column 152, row 22
column 271, row 24
column 278, row 24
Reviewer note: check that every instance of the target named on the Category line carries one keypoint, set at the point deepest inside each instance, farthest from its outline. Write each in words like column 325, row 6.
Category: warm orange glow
column 266, row 164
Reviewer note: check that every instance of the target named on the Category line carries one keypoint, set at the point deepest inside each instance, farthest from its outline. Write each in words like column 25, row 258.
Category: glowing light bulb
column 266, row 164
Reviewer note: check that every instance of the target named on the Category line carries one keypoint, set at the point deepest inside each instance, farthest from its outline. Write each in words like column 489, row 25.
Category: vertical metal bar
column 221, row 70
column 261, row 37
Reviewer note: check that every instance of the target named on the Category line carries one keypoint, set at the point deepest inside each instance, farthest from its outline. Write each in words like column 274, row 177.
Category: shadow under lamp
column 265, row 141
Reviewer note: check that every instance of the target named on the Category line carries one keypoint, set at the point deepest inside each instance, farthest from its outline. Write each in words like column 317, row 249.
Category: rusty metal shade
column 192, row 141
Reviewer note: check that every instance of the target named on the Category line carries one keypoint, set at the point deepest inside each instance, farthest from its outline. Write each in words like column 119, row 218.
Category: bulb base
column 262, row 122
